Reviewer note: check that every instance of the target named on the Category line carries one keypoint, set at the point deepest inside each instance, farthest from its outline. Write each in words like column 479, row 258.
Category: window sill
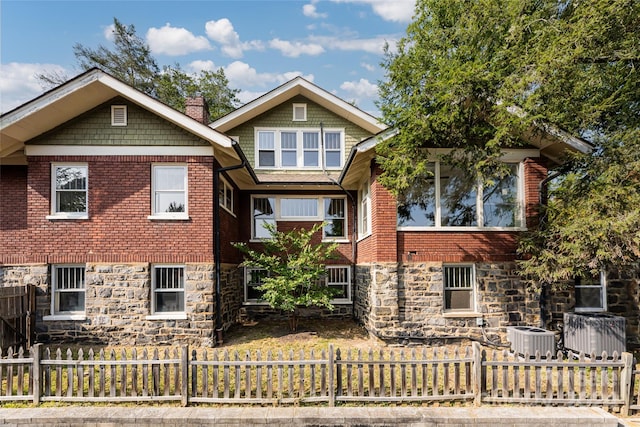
column 167, row 316
column 464, row 229
column 229, row 211
column 362, row 237
column 55, row 317
column 335, row 240
column 459, row 314
column 66, row 217
column 168, row 218
column 589, row 310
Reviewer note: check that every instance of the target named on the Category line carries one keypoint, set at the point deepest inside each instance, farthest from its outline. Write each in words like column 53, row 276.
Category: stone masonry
column 404, row 302
column 118, row 305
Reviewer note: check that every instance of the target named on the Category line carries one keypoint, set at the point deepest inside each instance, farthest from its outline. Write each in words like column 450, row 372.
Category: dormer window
column 299, row 112
column 303, row 148
column 118, row 115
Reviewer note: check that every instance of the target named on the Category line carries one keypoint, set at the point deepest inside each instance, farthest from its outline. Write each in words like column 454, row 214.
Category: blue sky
column 337, row 44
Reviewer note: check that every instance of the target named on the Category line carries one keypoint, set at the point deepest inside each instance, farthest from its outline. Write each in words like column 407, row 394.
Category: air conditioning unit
column 595, row 333
column 529, row 339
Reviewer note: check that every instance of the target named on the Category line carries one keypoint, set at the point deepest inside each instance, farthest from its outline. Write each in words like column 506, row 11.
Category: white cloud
column 241, row 74
column 389, row 10
column 18, row 83
column 197, row 66
column 295, row 49
column 374, row 45
column 223, row 33
column 309, row 10
column 360, row 89
column 109, row 32
column 175, row 41
column 367, row 67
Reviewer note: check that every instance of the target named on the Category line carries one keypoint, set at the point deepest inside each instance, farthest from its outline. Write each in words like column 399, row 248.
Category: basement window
column 118, row 115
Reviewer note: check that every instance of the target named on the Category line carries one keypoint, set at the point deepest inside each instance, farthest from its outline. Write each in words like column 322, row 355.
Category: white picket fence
column 469, row 375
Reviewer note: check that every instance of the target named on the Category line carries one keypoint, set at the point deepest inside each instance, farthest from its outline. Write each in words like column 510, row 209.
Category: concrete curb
column 307, row 416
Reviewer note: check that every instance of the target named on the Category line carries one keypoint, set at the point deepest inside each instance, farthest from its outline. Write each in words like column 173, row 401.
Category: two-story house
column 123, row 212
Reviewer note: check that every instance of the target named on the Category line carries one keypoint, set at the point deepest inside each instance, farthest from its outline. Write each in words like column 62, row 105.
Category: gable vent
column 299, row 112
column 118, row 115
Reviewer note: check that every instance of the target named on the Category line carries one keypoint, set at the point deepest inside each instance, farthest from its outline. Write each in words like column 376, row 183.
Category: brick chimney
column 196, row 108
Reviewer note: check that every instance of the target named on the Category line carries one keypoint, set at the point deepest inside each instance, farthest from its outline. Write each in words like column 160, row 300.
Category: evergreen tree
column 474, row 75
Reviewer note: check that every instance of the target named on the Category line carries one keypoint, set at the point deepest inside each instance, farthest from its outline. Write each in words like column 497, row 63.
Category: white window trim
column 304, row 107
column 299, row 148
column 479, row 207
column 169, row 215
column 319, row 218
column 114, row 108
column 54, row 215
column 182, row 314
column 472, row 311
column 603, row 302
column 247, row 301
column 361, row 191
column 66, row 315
column 224, row 186
column 349, row 296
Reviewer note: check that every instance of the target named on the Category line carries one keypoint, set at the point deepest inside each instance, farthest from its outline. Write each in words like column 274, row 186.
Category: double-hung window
column 334, row 218
column 253, row 279
column 266, row 149
column 459, row 288
column 69, row 189
column 225, row 195
column 264, row 212
column 68, row 284
column 291, row 148
column 339, row 279
column 333, row 149
column 364, row 214
column 169, row 192
column 450, row 198
column 331, row 210
column 168, row 289
column 591, row 293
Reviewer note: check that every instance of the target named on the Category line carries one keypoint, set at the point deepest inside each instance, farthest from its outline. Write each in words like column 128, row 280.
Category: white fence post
column 625, row 383
column 476, row 375
column 35, row 373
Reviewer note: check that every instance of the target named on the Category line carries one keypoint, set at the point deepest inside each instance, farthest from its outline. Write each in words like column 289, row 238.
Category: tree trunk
column 293, row 320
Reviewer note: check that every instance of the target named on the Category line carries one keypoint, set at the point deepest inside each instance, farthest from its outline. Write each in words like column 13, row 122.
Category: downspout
column 217, row 333
column 542, row 201
column 354, row 249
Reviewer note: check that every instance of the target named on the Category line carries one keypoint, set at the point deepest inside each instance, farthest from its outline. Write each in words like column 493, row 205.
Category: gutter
column 218, row 329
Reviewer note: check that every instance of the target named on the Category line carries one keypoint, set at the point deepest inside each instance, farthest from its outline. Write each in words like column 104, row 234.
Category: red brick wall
column 535, row 170
column 118, row 229
column 13, row 213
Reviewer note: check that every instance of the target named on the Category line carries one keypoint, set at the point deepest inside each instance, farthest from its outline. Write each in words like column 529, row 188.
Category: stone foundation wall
column 623, row 299
column 405, row 302
column 118, row 305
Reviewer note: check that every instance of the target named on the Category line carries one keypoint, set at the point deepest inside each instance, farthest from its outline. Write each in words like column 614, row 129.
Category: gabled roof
column 550, row 141
column 298, row 86
column 81, row 94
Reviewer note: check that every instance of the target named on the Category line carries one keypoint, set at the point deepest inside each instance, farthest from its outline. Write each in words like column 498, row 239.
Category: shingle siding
column 282, row 117
column 94, row 128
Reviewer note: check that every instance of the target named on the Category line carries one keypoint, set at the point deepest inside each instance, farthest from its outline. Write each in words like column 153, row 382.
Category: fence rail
column 413, row 375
